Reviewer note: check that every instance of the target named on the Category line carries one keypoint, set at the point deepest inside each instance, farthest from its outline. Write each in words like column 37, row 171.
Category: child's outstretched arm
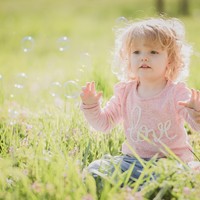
column 101, row 119
column 193, row 105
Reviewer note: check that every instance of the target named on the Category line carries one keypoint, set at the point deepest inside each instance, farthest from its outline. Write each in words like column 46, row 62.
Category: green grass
column 45, row 143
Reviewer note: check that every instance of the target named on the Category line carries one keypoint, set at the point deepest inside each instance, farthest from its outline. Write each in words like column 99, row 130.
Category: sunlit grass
column 45, row 142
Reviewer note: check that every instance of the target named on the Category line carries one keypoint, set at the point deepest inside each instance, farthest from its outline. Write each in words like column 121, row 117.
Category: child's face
column 148, row 61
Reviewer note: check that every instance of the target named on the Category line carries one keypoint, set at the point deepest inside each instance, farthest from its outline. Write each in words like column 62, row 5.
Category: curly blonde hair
column 169, row 34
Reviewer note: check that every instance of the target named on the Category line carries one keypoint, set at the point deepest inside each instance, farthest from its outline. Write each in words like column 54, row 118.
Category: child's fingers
column 194, row 114
column 198, row 95
column 83, row 88
column 93, row 90
column 99, row 95
column 194, row 96
column 82, row 94
column 187, row 105
column 88, row 88
column 183, row 103
column 195, row 99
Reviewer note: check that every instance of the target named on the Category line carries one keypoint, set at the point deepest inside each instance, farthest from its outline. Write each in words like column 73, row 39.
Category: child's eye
column 136, row 52
column 154, row 52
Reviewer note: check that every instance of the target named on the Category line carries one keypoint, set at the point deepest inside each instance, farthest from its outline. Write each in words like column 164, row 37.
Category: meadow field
column 48, row 50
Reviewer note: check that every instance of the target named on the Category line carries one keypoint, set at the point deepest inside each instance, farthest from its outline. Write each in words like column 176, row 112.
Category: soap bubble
column 1, row 80
column 1, row 88
column 21, row 79
column 115, row 69
column 27, row 43
column 72, row 89
column 13, row 114
column 85, row 65
column 118, row 70
column 55, row 89
column 121, row 21
column 63, row 43
column 85, row 60
column 12, row 96
column 80, row 73
column 19, row 85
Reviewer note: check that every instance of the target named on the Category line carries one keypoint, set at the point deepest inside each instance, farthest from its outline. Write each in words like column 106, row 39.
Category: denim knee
column 104, row 166
column 128, row 162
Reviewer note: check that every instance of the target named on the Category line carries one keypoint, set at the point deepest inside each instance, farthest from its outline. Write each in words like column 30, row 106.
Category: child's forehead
column 145, row 43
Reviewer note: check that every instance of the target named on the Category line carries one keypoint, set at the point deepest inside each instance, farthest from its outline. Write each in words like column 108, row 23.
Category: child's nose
column 144, row 59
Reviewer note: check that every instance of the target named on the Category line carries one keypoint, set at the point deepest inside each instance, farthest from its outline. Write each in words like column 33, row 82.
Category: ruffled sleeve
column 104, row 119
column 182, row 93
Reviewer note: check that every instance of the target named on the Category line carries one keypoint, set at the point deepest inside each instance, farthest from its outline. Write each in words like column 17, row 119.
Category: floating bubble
column 2, row 91
column 85, row 60
column 72, row 89
column 27, row 43
column 85, row 66
column 12, row 113
column 18, row 86
column 21, row 79
column 1, row 80
column 116, row 69
column 80, row 74
column 55, row 89
column 12, row 96
column 63, row 43
column 121, row 21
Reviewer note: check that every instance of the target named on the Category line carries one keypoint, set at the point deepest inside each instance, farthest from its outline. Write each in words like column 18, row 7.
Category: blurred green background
column 44, row 141
column 88, row 24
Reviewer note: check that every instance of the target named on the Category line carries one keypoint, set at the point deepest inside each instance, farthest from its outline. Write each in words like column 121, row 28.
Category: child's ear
column 169, row 61
column 168, row 64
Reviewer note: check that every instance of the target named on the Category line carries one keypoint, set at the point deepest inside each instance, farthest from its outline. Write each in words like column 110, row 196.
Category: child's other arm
column 193, row 105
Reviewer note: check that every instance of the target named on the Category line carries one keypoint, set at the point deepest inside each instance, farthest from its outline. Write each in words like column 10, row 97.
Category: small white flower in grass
column 87, row 197
column 9, row 181
column 24, row 142
column 186, row 190
column 36, row 187
column 138, row 196
column 129, row 197
column 11, row 150
column 25, row 172
column 195, row 165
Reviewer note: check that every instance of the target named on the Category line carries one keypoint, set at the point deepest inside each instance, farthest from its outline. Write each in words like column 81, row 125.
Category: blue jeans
column 108, row 164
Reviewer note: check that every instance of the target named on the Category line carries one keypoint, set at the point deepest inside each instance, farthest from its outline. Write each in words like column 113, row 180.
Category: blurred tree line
column 183, row 7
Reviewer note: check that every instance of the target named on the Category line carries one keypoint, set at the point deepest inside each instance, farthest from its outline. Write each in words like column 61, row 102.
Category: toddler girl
column 150, row 100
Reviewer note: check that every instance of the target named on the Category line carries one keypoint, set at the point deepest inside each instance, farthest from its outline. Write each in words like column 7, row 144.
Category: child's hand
column 193, row 105
column 89, row 94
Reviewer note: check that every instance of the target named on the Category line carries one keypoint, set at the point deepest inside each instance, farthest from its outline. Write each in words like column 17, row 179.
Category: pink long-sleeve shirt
column 148, row 122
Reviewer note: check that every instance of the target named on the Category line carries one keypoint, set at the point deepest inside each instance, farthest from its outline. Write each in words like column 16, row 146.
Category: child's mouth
column 145, row 67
